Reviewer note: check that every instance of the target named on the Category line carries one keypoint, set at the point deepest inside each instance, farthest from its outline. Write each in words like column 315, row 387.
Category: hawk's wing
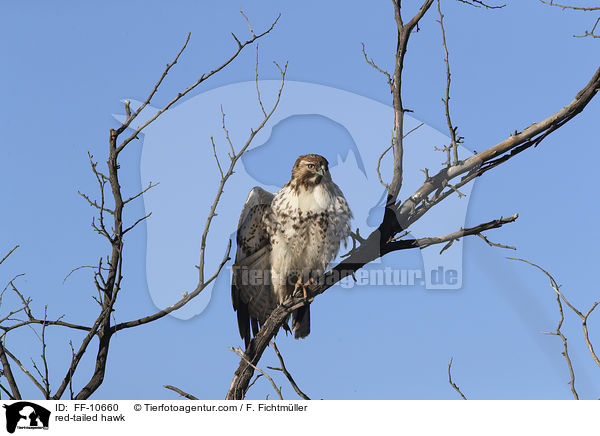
column 251, row 290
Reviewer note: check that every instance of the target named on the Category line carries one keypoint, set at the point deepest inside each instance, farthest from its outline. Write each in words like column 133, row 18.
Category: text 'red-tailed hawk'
column 285, row 240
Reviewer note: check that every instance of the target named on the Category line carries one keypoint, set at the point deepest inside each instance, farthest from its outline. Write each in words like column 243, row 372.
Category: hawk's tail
column 301, row 322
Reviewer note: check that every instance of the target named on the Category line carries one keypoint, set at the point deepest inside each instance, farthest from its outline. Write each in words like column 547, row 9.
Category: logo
column 26, row 415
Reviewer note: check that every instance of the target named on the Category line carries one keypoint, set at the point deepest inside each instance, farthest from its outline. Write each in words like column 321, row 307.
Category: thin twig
column 576, row 8
column 248, row 22
column 389, row 78
column 202, row 282
column 78, row 268
column 150, row 186
column 592, row 32
column 254, row 381
column 446, row 100
column 183, row 93
column 180, row 392
column 456, row 388
column 216, row 157
column 8, row 254
column 36, row 383
column 479, row 3
column 137, row 222
column 10, row 397
column 240, row 353
column 565, row 352
column 385, row 185
column 71, row 379
column 262, row 107
column 233, row 161
column 285, row 372
column 584, row 317
column 494, row 244
column 177, row 305
column 57, row 322
column 404, row 244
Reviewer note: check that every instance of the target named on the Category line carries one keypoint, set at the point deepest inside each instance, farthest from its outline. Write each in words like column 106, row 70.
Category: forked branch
column 202, row 282
column 400, row 215
column 108, row 275
column 583, row 316
column 287, row 374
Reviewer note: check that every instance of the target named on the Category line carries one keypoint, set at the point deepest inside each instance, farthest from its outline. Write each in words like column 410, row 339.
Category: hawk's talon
column 297, row 287
column 302, row 286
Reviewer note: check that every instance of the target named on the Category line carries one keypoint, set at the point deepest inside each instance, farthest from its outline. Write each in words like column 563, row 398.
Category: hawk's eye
column 311, row 166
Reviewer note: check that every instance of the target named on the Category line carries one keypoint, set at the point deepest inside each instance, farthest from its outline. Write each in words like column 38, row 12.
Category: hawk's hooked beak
column 321, row 171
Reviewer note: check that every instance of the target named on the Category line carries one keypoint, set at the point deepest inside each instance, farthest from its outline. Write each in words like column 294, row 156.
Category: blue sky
column 67, row 67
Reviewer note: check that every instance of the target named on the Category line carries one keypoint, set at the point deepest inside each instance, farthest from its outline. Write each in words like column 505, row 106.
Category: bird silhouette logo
column 26, row 415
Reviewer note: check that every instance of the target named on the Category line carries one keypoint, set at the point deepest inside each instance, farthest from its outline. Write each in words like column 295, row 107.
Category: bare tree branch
column 378, row 169
column 137, row 222
column 109, row 286
column 565, row 352
column 494, row 244
column 7, row 373
column 79, row 268
column 404, row 32
column 180, row 392
column 240, row 353
column 285, row 372
column 183, row 93
column 31, row 319
column 133, row 116
column 409, row 211
column 419, row 202
column 262, row 107
column 369, row 61
column 202, row 283
column 405, row 244
column 179, row 304
column 229, row 172
column 364, row 254
column 71, row 395
column 36, row 383
column 103, row 318
column 592, row 33
column 47, row 323
column 143, row 191
column 452, row 129
column 8, row 254
column 454, row 386
column 94, row 203
column 10, row 397
column 398, row 217
column 479, row 3
column 45, row 377
column 576, row 8
column 584, row 317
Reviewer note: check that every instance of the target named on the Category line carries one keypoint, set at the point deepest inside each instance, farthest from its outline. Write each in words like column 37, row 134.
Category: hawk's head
column 310, row 170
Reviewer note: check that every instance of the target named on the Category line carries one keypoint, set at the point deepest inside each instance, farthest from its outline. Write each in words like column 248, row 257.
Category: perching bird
column 285, row 241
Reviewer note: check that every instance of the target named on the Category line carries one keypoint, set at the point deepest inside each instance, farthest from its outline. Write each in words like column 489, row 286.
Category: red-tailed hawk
column 285, row 240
